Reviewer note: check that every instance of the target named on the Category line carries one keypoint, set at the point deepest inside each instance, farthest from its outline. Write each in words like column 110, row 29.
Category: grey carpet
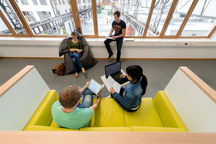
column 158, row 72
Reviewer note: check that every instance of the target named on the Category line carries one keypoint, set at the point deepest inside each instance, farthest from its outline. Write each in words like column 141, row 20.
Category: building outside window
column 44, row 15
column 35, row 2
column 24, row 2
column 43, row 2
column 59, row 2
column 3, row 28
column 29, row 16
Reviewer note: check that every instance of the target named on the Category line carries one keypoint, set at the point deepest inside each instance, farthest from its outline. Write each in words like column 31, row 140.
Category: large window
column 29, row 16
column 12, row 17
column 160, row 12
column 178, row 16
column 144, row 18
column 3, row 28
column 86, row 16
column 50, row 18
column 35, row 2
column 104, row 17
column 24, row 2
column 43, row 2
column 202, row 20
column 134, row 13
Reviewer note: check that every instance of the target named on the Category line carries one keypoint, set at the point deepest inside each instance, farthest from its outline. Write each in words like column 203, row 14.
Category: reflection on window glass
column 178, row 16
column 49, row 17
column 159, row 15
column 3, row 28
column 35, row 2
column 12, row 17
column 43, row 2
column 24, row 2
column 86, row 16
column 29, row 16
column 133, row 12
column 202, row 20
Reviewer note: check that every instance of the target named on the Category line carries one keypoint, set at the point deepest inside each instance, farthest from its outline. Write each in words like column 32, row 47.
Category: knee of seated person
column 73, row 59
column 106, row 42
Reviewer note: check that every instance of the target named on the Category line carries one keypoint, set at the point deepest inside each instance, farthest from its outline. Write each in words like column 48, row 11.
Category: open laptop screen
column 112, row 68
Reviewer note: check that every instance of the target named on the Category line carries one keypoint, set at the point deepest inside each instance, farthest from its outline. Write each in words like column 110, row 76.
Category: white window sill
column 100, row 42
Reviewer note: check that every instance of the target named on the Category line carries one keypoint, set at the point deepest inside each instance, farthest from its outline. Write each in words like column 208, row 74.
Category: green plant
column 110, row 12
column 99, row 11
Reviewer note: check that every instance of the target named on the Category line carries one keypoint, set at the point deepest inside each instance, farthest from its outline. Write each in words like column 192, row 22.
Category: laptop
column 114, row 70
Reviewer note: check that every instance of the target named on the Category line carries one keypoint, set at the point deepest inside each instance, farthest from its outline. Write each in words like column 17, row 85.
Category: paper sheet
column 111, row 83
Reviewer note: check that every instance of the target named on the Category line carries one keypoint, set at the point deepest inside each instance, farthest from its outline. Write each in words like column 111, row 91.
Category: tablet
column 95, row 87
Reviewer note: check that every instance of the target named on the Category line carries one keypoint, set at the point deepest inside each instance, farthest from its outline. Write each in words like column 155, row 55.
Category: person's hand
column 122, row 76
column 87, row 83
column 115, row 37
column 99, row 97
column 112, row 90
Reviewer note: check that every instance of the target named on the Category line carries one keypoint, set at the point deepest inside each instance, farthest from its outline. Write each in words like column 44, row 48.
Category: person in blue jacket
column 130, row 97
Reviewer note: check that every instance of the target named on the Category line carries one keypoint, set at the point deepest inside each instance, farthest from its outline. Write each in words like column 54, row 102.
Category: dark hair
column 70, row 96
column 117, row 13
column 74, row 33
column 136, row 72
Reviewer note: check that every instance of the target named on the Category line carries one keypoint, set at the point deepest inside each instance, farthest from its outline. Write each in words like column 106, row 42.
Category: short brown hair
column 117, row 13
column 70, row 96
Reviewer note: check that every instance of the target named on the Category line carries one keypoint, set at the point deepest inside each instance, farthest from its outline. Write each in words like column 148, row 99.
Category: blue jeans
column 76, row 60
column 87, row 98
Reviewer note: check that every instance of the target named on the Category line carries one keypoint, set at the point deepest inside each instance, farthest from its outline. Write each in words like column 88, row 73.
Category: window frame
column 75, row 12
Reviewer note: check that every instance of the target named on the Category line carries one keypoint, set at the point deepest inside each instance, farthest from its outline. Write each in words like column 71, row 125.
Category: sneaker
column 110, row 56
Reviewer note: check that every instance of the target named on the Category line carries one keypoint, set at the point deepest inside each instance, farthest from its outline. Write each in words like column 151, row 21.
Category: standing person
column 130, row 97
column 119, row 26
column 75, row 48
column 67, row 112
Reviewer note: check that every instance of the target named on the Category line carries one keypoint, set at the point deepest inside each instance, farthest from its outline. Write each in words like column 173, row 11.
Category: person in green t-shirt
column 75, row 48
column 68, row 112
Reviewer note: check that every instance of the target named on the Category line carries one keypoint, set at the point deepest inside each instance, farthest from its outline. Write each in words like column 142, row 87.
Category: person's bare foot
column 76, row 75
column 83, row 71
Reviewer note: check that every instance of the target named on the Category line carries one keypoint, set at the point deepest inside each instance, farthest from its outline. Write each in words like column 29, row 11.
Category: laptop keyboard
column 117, row 78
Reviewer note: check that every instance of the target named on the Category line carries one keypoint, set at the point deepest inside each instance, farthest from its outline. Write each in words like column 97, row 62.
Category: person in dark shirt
column 120, row 27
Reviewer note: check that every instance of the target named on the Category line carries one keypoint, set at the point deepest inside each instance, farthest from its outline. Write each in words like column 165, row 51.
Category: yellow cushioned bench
column 153, row 115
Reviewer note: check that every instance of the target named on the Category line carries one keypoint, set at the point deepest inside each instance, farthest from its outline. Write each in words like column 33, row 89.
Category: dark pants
column 119, row 42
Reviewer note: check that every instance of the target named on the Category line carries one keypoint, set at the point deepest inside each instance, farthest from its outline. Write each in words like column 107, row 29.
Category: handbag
column 59, row 69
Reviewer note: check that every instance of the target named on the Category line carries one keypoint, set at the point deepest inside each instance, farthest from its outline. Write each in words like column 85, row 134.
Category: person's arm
column 96, row 104
column 69, row 43
column 110, row 33
column 119, row 36
column 124, row 76
column 126, row 100
column 80, row 46
column 86, row 85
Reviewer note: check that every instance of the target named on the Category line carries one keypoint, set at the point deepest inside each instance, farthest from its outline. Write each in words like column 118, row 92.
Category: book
column 111, row 83
column 110, row 38
column 95, row 87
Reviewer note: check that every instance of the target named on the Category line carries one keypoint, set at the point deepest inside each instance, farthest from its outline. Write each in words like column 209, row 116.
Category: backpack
column 59, row 69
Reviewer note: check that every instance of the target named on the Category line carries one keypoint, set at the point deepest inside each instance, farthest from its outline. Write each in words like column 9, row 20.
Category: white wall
column 139, row 48
column 195, row 108
column 20, row 102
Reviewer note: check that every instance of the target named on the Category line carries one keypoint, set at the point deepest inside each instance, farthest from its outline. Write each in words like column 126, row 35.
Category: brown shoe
column 83, row 71
column 76, row 75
